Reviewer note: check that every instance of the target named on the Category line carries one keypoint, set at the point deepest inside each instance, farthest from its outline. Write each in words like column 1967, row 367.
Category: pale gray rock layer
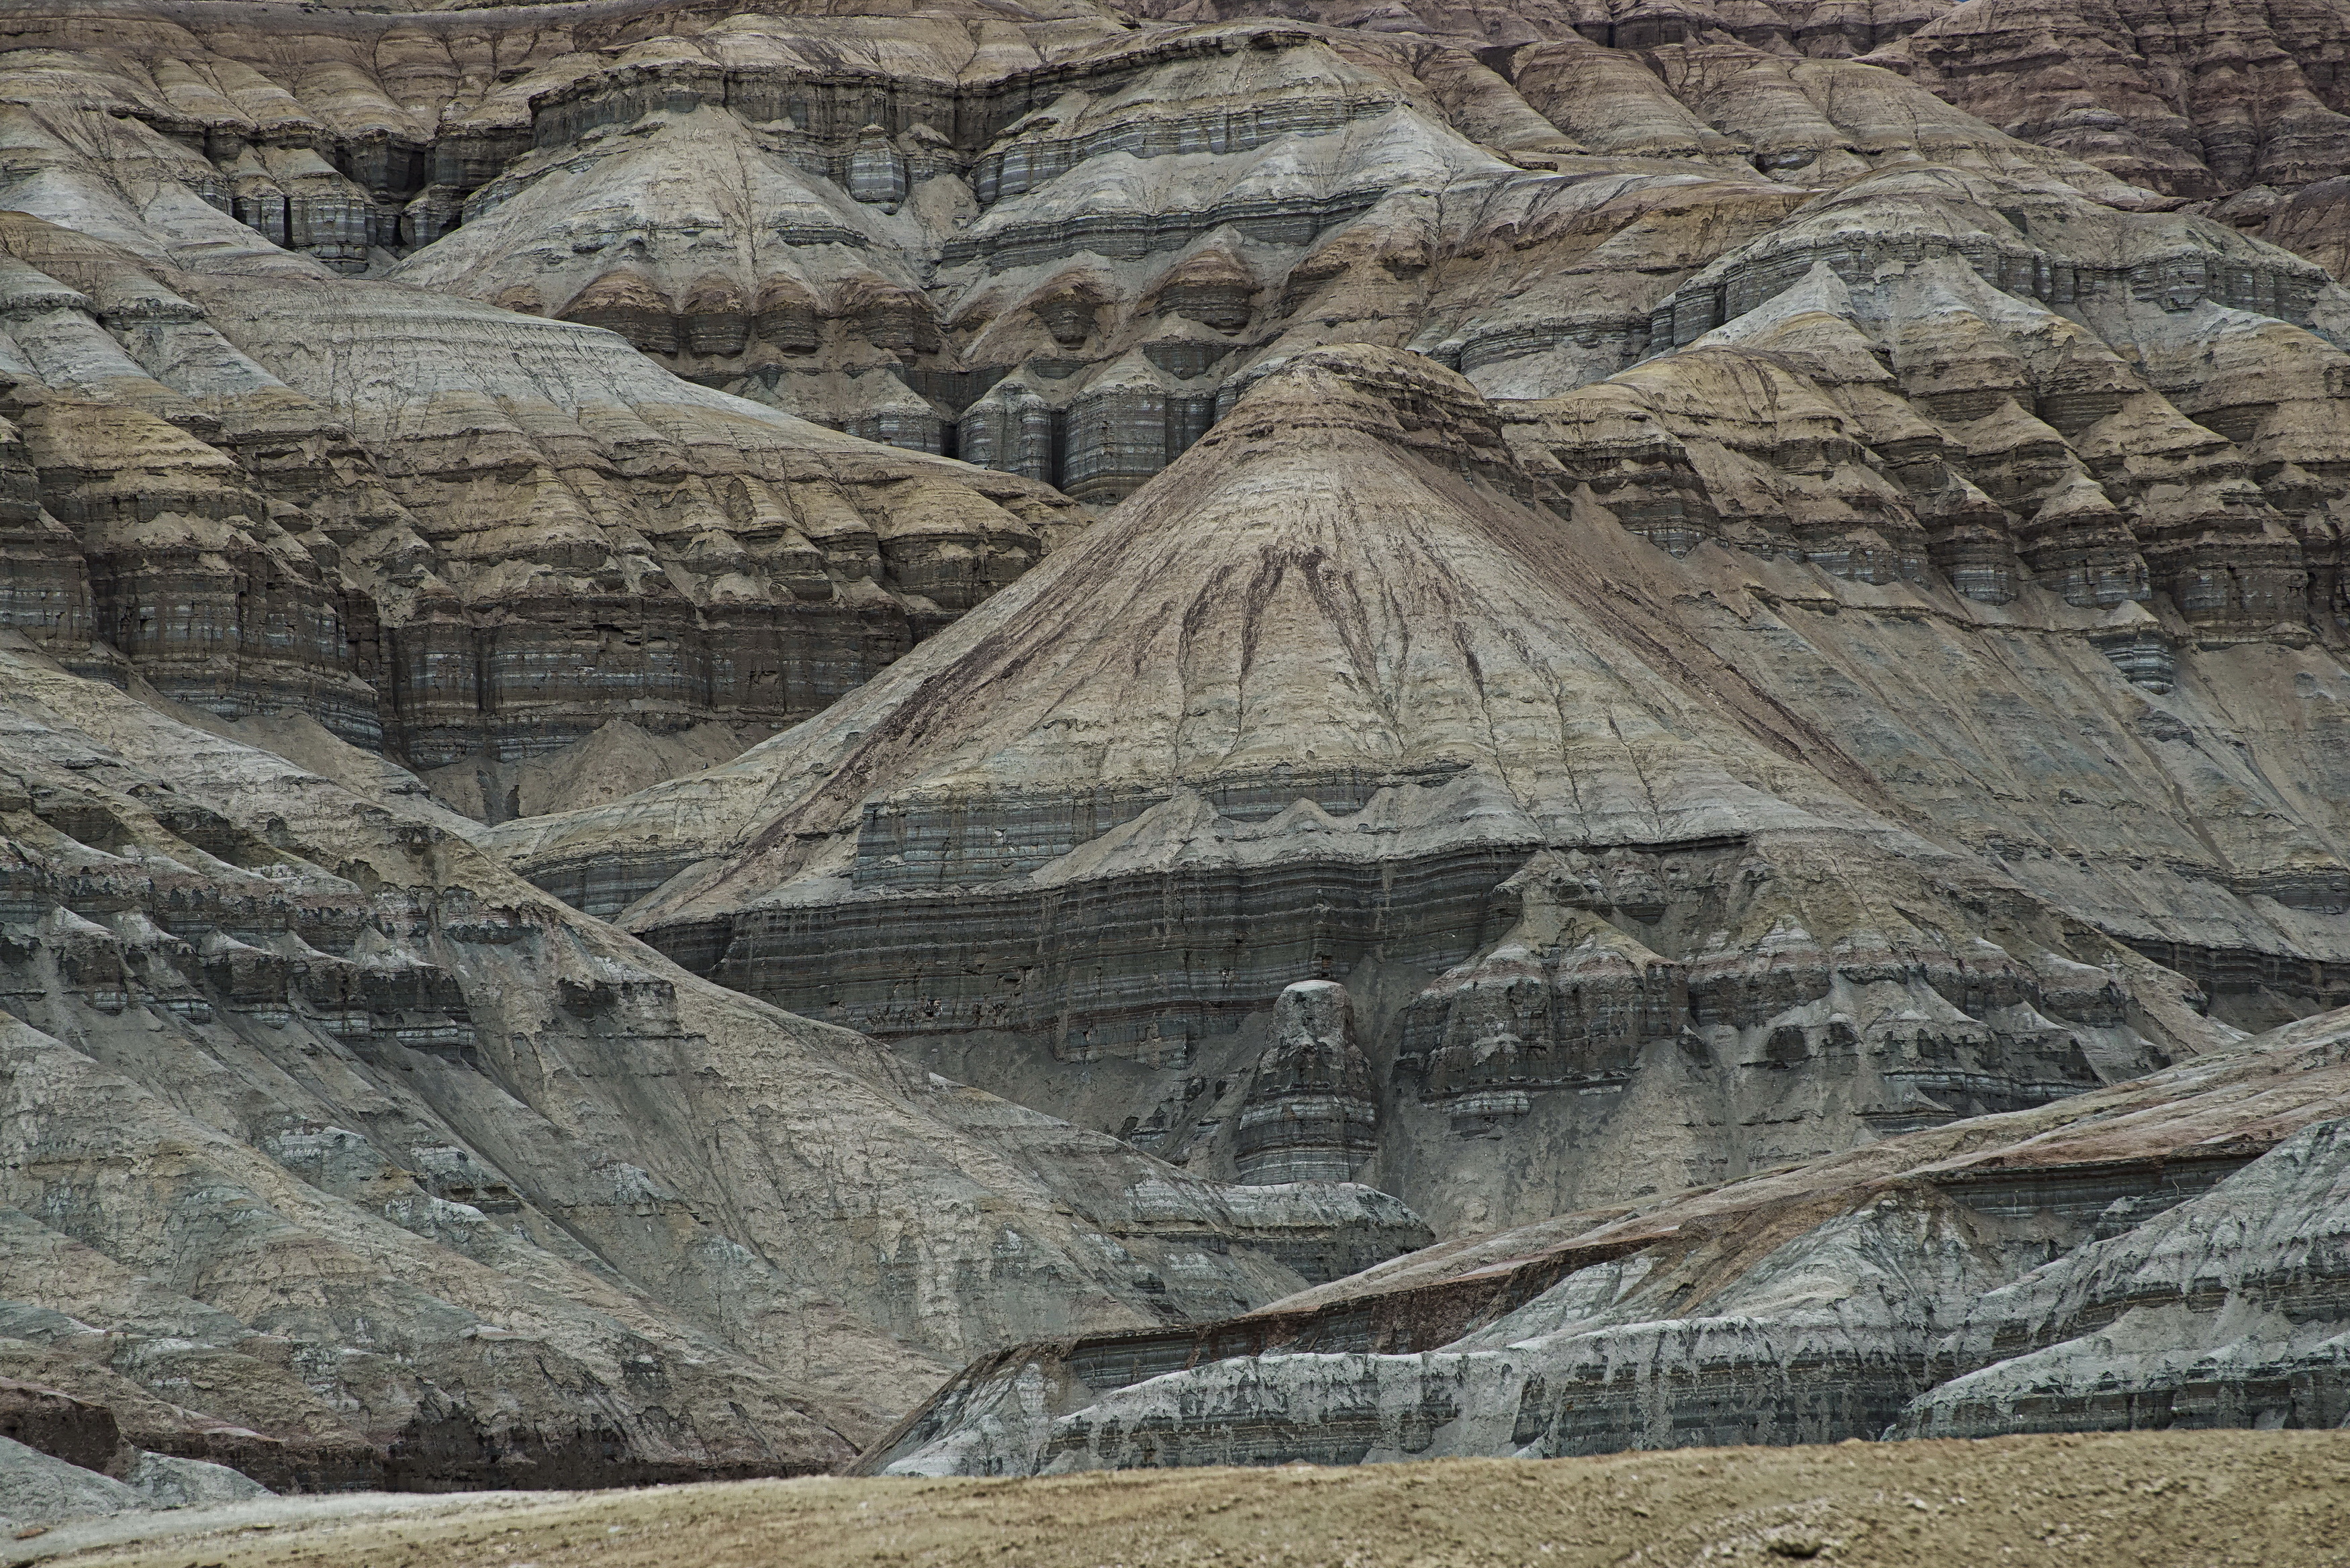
column 335, row 1153
column 1737, row 583
column 1657, row 867
column 2161, row 1254
column 38, row 1489
column 1311, row 1110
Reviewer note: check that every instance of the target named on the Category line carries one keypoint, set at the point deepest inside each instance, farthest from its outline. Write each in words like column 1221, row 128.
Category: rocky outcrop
column 614, row 760
column 473, row 538
column 335, row 1154
column 1311, row 1110
column 1684, row 592
column 38, row 1489
column 2226, row 1311
column 2226, row 101
column 870, row 221
column 62, row 1458
column 2157, row 1254
column 59, row 1425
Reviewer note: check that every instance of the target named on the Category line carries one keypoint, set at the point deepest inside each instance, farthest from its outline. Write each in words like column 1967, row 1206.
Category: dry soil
column 2183, row 1498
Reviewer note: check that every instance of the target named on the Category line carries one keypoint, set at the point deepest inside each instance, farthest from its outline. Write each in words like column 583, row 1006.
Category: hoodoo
column 1311, row 1110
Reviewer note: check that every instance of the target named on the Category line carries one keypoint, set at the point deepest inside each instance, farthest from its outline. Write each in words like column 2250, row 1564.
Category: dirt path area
column 2169, row 1498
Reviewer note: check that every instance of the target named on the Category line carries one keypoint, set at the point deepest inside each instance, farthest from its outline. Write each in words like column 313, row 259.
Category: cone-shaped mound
column 1332, row 698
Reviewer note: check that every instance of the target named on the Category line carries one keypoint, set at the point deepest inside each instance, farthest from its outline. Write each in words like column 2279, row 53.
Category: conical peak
column 1398, row 397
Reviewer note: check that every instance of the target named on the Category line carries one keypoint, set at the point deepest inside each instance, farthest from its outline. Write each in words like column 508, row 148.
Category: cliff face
column 1055, row 247
column 448, row 531
column 1056, row 241
column 1048, row 237
column 2164, row 1253
column 468, row 537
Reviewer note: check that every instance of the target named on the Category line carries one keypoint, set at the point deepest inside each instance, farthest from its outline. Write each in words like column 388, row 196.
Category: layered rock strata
column 474, row 538
column 467, row 537
column 38, row 1489
column 2163, row 1253
column 335, row 1154
column 1054, row 249
column 1663, row 864
column 1065, row 269
column 2229, row 1311
column 1059, row 252
column 1311, row 1110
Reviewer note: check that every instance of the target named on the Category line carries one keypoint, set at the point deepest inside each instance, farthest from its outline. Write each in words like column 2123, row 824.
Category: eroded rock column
column 1311, row 1112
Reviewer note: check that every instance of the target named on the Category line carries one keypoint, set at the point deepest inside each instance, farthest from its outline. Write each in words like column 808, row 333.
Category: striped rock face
column 336, row 1153
column 710, row 705
column 1643, row 762
column 1059, row 243
column 2168, row 1253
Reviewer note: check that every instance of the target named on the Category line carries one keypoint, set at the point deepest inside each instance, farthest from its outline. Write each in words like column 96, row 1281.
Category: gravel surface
column 2183, row 1498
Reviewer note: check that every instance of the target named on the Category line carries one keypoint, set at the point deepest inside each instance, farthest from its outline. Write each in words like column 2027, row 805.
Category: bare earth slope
column 2168, row 1253
column 1488, row 612
column 1055, row 240
column 338, row 1153
column 1641, row 872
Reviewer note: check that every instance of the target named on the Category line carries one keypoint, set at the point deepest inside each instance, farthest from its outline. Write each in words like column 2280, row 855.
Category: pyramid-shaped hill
column 1335, row 698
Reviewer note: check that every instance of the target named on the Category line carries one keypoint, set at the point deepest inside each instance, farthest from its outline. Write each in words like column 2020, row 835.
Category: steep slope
column 1641, row 872
column 2163, row 1253
column 337, row 1154
column 1054, row 252
column 1692, row 588
column 1053, row 239
column 1045, row 238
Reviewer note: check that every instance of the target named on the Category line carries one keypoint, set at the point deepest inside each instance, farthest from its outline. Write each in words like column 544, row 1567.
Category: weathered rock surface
column 1310, row 1111
column 336, row 1153
column 59, row 1425
column 1656, row 866
column 2237, row 103
column 1737, row 583
column 1047, row 237
column 2232, row 1310
column 1059, row 255
column 2163, row 1253
column 461, row 535
column 1055, row 240
column 38, row 1489
column 617, row 759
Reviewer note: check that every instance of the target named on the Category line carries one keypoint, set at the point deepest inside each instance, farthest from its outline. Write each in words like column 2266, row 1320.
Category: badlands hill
column 1638, row 872
column 712, row 707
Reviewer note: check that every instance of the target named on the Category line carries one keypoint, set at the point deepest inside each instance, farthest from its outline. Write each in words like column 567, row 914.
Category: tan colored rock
column 1748, row 579
column 1649, row 873
column 248, row 549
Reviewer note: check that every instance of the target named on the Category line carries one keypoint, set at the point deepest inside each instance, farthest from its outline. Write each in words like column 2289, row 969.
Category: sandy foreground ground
column 2184, row 1498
